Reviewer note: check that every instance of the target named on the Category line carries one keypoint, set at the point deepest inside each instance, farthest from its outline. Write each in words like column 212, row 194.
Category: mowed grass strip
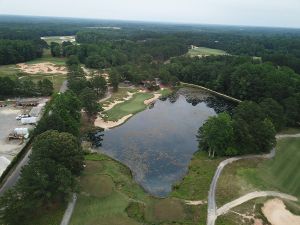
column 202, row 51
column 132, row 106
column 278, row 174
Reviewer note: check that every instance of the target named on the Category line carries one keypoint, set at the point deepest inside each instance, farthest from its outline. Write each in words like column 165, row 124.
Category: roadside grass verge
column 202, row 51
column 132, row 106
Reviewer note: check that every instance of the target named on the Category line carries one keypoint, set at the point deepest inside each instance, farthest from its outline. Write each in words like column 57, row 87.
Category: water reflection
column 158, row 143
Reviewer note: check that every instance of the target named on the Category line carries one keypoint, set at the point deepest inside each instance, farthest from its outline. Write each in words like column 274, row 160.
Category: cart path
column 257, row 194
column 69, row 211
column 212, row 212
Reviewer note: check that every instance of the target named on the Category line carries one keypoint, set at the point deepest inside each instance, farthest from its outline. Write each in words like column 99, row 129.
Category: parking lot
column 10, row 148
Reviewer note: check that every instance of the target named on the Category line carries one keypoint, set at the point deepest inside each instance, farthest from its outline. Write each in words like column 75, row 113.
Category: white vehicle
column 19, row 117
column 22, row 132
column 29, row 120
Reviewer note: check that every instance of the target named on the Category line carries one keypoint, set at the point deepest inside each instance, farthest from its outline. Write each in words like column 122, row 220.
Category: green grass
column 165, row 92
column 132, row 106
column 119, row 95
column 13, row 72
column 109, row 195
column 280, row 173
column 195, row 184
column 9, row 71
column 202, row 51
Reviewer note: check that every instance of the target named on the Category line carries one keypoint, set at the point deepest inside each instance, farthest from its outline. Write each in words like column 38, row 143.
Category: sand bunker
column 99, row 122
column 113, row 104
column 277, row 214
column 151, row 100
column 188, row 202
column 46, row 68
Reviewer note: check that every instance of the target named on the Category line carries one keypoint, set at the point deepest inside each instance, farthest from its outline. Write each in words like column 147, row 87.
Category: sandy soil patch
column 47, row 68
column 99, row 122
column 195, row 202
column 277, row 214
column 151, row 100
column 111, row 105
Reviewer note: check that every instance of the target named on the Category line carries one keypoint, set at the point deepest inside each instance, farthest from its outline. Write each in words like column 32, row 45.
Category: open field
column 202, row 52
column 109, row 195
column 15, row 71
column 58, row 39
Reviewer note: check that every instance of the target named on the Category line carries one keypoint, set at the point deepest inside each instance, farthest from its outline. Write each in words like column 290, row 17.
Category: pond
column 158, row 143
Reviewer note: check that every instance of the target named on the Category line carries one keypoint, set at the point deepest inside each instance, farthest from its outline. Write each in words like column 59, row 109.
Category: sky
column 276, row 13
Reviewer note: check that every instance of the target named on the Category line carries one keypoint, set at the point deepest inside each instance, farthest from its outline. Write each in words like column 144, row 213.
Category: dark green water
column 158, row 143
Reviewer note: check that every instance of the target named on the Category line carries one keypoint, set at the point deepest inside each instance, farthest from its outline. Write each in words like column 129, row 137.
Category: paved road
column 14, row 176
column 257, row 194
column 212, row 206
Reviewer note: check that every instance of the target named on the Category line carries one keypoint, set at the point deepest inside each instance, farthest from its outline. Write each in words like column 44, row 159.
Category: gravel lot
column 9, row 149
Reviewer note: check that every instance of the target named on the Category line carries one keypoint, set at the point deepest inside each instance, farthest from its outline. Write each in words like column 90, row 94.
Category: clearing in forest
column 203, row 52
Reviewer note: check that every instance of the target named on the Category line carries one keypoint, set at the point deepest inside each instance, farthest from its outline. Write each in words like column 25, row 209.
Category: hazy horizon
column 269, row 13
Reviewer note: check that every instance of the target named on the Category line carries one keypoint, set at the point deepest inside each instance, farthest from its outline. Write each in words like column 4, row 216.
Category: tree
column 99, row 84
column 114, row 79
column 252, row 131
column 216, row 136
column 89, row 102
column 62, row 148
column 273, row 111
column 56, row 50
column 72, row 60
column 48, row 178
column 45, row 87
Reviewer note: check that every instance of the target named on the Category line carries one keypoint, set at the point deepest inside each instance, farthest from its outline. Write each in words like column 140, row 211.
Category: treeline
column 24, row 87
column 245, row 79
column 88, row 91
column 16, row 51
column 127, row 49
column 249, row 131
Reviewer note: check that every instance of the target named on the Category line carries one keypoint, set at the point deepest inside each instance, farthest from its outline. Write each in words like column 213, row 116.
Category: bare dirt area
column 99, row 122
column 277, row 214
column 45, row 68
